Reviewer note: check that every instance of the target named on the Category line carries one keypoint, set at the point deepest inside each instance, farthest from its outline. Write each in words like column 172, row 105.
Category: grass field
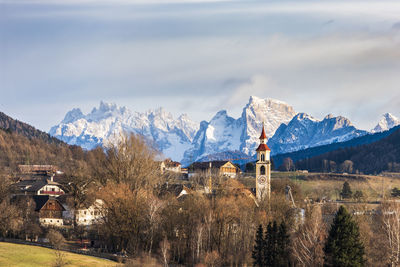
column 319, row 185
column 14, row 255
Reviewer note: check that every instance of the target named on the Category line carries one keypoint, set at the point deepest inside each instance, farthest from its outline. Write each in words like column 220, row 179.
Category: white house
column 90, row 215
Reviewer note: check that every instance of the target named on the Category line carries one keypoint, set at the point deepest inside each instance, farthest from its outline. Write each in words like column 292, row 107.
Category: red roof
column 262, row 147
column 263, row 136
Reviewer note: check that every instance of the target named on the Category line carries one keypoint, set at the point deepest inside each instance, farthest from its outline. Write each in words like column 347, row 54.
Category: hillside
column 376, row 157
column 24, row 255
column 21, row 143
column 12, row 125
column 315, row 151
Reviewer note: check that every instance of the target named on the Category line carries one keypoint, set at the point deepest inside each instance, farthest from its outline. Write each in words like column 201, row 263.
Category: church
column 263, row 169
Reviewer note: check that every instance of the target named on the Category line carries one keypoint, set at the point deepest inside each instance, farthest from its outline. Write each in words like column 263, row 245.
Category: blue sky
column 198, row 57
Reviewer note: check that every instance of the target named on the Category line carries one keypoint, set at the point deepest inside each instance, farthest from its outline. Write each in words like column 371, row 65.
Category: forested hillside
column 382, row 155
column 21, row 143
column 319, row 150
column 11, row 125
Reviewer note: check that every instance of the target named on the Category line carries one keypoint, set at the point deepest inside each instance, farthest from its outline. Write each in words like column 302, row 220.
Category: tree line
column 143, row 217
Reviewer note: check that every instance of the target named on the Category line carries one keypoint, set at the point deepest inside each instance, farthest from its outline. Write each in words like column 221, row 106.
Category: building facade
column 263, row 170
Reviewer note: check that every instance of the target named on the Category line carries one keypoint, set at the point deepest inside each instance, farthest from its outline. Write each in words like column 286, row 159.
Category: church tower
column 263, row 169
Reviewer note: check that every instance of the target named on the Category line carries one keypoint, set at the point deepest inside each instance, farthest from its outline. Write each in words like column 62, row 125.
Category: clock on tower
column 263, row 169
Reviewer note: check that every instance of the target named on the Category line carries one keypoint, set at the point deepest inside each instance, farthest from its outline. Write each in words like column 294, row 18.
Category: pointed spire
column 263, row 135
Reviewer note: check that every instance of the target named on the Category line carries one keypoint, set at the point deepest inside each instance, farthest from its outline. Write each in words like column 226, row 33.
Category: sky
column 199, row 56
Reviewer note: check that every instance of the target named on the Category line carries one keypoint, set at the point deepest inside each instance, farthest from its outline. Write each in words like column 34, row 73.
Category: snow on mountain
column 387, row 122
column 270, row 111
column 304, row 131
column 184, row 140
column 224, row 133
column 107, row 122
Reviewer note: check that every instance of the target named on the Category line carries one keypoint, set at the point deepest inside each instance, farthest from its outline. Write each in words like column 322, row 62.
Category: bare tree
column 308, row 242
column 390, row 216
column 57, row 241
column 131, row 161
column 164, row 247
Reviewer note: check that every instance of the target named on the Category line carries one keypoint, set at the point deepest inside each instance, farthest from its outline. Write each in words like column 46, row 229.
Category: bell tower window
column 262, row 157
column 262, row 170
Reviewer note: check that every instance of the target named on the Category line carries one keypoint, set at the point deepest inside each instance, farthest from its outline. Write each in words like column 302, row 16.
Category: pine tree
column 343, row 246
column 283, row 241
column 346, row 190
column 276, row 250
column 259, row 247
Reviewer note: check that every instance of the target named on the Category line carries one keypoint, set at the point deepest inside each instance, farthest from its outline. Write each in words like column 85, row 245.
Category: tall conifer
column 259, row 247
column 343, row 247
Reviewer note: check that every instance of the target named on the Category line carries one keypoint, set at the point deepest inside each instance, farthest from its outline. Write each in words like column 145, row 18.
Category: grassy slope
column 32, row 256
column 318, row 185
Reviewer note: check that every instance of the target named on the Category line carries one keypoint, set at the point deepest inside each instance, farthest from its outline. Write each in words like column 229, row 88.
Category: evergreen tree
column 283, row 241
column 259, row 247
column 271, row 238
column 346, row 190
column 276, row 250
column 395, row 192
column 343, row 247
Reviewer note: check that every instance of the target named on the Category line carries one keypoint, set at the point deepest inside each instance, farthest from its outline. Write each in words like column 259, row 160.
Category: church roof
column 262, row 147
column 263, row 135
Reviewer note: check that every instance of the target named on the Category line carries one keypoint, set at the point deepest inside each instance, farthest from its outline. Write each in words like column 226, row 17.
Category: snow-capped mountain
column 387, row 122
column 304, row 131
column 186, row 141
column 224, row 133
column 106, row 123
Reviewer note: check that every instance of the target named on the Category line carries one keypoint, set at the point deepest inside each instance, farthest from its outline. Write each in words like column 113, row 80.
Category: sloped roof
column 206, row 165
column 41, row 200
column 263, row 135
column 262, row 147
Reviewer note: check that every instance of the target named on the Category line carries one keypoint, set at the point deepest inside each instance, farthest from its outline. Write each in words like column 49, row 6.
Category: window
column 52, row 189
column 84, row 212
column 262, row 157
column 262, row 170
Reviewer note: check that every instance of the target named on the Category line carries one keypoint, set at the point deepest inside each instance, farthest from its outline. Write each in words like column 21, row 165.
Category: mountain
column 21, row 143
column 319, row 150
column 376, row 157
column 304, row 131
column 226, row 134
column 223, row 136
column 11, row 125
column 106, row 123
column 388, row 121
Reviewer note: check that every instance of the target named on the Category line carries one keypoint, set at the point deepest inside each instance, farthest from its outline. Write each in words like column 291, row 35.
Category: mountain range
column 222, row 137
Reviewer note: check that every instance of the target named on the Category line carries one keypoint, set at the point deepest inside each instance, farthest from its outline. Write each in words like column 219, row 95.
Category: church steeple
column 263, row 169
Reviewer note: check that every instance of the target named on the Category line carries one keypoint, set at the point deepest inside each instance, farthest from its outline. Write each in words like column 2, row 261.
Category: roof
column 35, row 185
column 41, row 200
column 206, row 165
column 262, row 147
column 263, row 135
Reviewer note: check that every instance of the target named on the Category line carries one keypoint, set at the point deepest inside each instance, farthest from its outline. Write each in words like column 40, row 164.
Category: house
column 171, row 166
column 38, row 187
column 222, row 168
column 50, row 210
column 38, row 180
column 90, row 215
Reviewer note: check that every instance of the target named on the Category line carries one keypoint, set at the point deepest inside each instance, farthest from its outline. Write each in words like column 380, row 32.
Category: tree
column 343, row 246
column 346, row 190
column 57, row 241
column 308, row 243
column 131, row 161
column 390, row 223
column 358, row 195
column 395, row 192
column 287, row 165
column 258, row 251
column 276, row 248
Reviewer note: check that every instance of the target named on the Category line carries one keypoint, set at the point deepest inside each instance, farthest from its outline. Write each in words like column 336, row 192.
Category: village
column 202, row 196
